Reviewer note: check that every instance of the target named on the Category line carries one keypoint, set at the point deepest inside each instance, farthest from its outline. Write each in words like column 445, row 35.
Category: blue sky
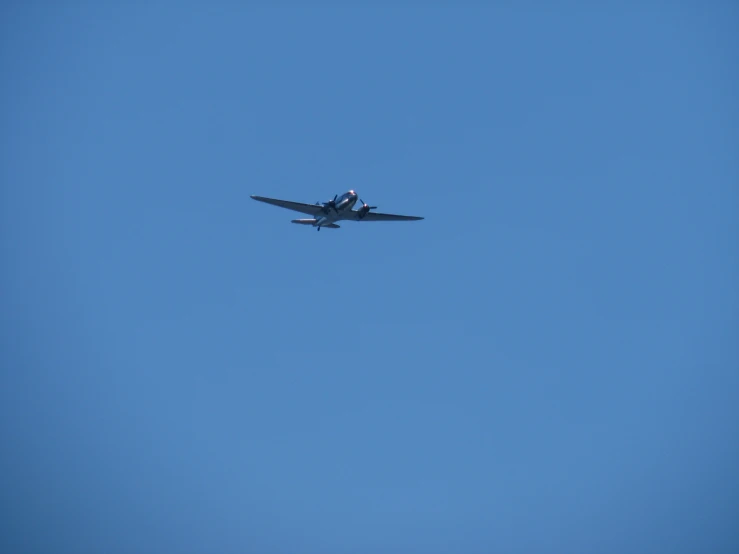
column 546, row 363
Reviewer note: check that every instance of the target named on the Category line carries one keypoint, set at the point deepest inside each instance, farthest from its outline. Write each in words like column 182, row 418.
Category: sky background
column 547, row 363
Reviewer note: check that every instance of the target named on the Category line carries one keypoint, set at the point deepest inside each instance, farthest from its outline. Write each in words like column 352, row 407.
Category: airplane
column 326, row 214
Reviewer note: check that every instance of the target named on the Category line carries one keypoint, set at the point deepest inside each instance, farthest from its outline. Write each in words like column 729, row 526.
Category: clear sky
column 548, row 362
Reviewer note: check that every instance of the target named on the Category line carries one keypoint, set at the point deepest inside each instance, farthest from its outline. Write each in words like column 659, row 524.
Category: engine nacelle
column 364, row 210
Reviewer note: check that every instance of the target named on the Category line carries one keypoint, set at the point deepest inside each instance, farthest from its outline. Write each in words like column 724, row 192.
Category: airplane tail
column 312, row 221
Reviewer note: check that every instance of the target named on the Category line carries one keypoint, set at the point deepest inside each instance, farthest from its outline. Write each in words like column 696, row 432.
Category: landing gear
column 319, row 227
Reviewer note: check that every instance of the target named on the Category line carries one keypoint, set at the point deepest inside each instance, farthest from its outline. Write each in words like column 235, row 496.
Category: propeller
column 330, row 204
column 364, row 210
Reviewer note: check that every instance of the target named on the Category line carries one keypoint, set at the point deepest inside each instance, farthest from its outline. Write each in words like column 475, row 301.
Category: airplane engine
column 364, row 210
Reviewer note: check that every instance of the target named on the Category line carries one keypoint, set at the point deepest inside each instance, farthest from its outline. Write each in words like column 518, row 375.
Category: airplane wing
column 311, row 209
column 374, row 216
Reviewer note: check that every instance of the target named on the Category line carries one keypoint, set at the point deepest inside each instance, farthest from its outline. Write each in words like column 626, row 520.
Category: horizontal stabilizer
column 312, row 221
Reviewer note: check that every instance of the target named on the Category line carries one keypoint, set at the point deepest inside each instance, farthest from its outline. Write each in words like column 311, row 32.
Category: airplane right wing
column 310, row 209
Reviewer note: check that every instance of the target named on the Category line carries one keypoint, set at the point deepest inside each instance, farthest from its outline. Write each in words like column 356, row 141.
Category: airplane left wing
column 374, row 216
column 311, row 209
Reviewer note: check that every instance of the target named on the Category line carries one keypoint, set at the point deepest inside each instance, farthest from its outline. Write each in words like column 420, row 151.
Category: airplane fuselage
column 330, row 214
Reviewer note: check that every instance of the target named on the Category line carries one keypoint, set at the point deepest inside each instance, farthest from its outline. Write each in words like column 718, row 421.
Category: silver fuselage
column 344, row 203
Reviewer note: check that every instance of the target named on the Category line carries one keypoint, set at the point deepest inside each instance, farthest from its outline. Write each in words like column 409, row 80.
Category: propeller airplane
column 340, row 208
